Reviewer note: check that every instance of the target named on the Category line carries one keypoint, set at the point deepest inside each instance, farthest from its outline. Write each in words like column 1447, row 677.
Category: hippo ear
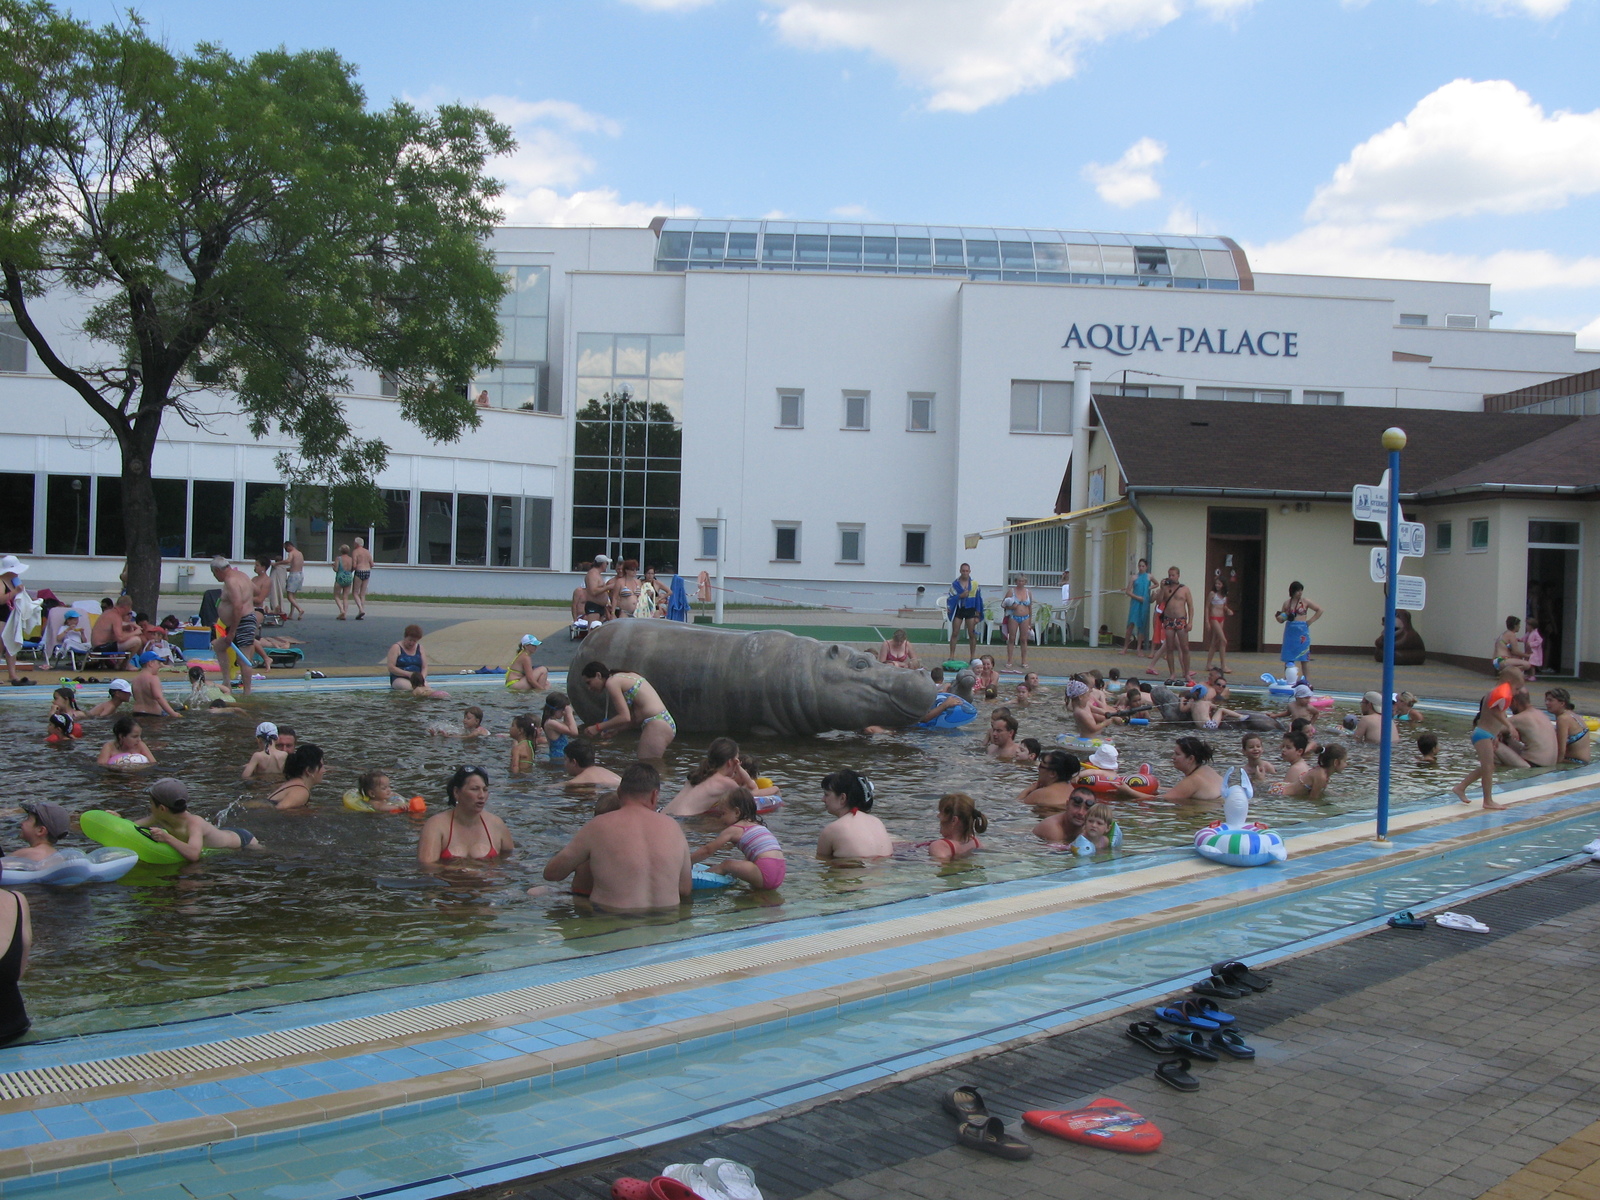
column 834, row 650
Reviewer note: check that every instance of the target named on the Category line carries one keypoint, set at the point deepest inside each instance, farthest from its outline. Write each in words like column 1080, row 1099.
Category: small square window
column 708, row 540
column 791, row 410
column 919, row 414
column 850, row 540
column 1460, row 321
column 388, row 384
column 855, row 410
column 13, row 348
column 916, row 548
column 786, row 543
column 1478, row 535
column 1443, row 535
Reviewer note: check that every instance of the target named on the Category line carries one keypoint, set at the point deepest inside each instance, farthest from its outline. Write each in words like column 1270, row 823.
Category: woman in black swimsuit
column 13, row 965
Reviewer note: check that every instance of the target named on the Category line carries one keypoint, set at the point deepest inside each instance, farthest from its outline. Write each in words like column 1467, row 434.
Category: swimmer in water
column 1098, row 825
column 763, row 866
column 376, row 789
column 465, row 829
column 581, row 769
column 171, row 823
column 523, row 733
column 471, row 725
column 126, row 747
column 1003, row 742
column 302, row 771
column 1330, row 761
column 636, row 704
column 1572, row 731
column 268, row 760
column 1428, row 750
column 718, row 773
column 43, row 823
column 118, row 692
column 559, row 724
column 854, row 832
column 149, row 697
column 208, row 697
column 1259, row 769
column 65, row 700
column 1294, row 752
column 960, row 823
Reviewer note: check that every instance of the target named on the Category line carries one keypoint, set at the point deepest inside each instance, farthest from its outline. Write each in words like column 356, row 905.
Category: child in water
column 960, row 823
column 206, row 697
column 559, row 724
column 523, row 732
column 855, row 832
column 64, row 716
column 171, row 822
column 1295, row 745
column 1098, row 824
column 1259, row 768
column 374, row 787
column 1330, row 761
column 126, row 749
column 764, row 866
column 268, row 760
column 1428, row 750
column 471, row 725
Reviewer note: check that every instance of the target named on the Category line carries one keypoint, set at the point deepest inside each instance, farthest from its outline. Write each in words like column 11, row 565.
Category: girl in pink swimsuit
column 764, row 867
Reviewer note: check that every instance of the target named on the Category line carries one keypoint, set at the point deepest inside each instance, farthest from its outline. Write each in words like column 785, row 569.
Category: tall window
column 211, row 519
column 1478, row 535
column 1038, row 406
column 436, row 529
column 13, row 348
column 919, row 412
column 310, row 537
column 708, row 539
column 172, row 516
column 791, row 410
column 391, row 539
column 628, row 448
column 263, row 519
column 855, row 410
column 1443, row 536
column 522, row 379
column 66, row 514
column 16, row 513
column 472, row 530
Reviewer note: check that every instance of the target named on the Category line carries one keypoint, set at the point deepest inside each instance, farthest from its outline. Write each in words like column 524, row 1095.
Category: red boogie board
column 1108, row 1124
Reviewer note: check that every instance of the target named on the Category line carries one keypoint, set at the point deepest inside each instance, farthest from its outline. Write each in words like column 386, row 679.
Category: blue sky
column 1421, row 138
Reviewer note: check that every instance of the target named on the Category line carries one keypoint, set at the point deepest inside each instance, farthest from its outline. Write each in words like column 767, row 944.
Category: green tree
column 240, row 234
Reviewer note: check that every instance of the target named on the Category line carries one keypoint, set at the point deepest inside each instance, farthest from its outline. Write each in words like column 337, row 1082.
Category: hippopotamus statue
column 767, row 681
column 1166, row 700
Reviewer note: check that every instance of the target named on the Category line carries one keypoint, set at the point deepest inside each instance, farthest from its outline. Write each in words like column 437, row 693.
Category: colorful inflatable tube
column 66, row 868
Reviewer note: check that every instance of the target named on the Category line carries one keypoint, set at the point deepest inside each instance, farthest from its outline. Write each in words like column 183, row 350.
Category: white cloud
column 1539, row 10
column 542, row 174
column 1182, row 219
column 973, row 53
column 670, row 5
column 852, row 212
column 1129, row 180
column 1467, row 149
column 1589, row 336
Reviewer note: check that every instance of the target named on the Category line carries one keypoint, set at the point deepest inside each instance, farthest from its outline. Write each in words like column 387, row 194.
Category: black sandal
column 965, row 1104
column 1175, row 1073
column 991, row 1137
column 1240, row 975
column 1193, row 1042
column 1149, row 1036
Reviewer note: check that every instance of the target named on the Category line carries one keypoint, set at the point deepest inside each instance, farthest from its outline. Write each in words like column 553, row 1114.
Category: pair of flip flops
column 1218, row 988
column 1196, row 1014
column 714, row 1179
column 1455, row 920
column 978, row 1130
column 1160, row 1041
column 1407, row 920
column 1236, row 974
column 659, row 1188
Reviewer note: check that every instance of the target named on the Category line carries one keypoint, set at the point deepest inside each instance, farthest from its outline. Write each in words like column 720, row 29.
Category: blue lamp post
column 1394, row 441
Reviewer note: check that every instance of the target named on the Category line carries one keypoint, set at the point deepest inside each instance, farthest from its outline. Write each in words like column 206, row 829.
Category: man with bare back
column 237, row 612
column 363, row 568
column 115, row 629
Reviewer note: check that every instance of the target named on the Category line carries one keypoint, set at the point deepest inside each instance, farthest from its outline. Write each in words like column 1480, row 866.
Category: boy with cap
column 1369, row 728
column 1299, row 706
column 118, row 692
column 44, row 823
column 171, row 823
column 149, row 698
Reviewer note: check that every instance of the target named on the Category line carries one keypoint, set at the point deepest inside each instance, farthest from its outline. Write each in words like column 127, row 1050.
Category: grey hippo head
column 855, row 689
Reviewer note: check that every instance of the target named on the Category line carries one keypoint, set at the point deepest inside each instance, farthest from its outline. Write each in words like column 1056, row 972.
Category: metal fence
column 1039, row 554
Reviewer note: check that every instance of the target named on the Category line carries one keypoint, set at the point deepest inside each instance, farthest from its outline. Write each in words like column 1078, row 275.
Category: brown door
column 1234, row 554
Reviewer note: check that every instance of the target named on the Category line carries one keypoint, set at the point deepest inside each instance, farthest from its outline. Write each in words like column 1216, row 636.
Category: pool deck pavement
column 1399, row 1064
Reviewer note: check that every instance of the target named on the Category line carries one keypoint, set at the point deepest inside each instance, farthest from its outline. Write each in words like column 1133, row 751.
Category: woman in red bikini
column 464, row 830
column 960, row 823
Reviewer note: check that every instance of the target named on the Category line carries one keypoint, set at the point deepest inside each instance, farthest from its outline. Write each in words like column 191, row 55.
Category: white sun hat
column 12, row 565
column 1104, row 757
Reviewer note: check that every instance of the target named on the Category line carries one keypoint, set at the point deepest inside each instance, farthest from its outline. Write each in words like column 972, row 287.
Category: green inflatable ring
column 111, row 830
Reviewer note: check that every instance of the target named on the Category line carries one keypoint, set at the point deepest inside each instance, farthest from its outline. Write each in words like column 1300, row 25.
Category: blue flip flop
column 1210, row 1011
column 1188, row 1014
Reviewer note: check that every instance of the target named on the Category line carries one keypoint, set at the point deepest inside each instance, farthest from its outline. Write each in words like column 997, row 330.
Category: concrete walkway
column 1400, row 1064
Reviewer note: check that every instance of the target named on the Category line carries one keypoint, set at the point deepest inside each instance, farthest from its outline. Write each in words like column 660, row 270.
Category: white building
column 852, row 399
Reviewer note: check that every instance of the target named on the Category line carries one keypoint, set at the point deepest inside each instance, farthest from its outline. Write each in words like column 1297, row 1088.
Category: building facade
column 822, row 412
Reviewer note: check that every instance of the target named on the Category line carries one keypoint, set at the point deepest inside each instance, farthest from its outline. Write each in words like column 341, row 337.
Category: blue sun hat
column 529, row 640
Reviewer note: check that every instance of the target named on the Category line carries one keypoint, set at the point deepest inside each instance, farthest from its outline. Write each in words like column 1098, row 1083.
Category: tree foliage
column 243, row 233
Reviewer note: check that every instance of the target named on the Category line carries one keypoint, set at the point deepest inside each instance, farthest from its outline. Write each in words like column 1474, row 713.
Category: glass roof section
column 971, row 252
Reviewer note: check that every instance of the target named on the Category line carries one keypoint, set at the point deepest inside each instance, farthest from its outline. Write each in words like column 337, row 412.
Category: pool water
column 337, row 902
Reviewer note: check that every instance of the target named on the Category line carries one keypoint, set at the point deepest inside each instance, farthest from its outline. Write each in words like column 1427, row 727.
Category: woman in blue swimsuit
column 635, row 703
column 1138, row 593
column 407, row 659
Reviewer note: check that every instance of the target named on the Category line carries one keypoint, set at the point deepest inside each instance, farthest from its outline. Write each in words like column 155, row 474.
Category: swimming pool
column 338, row 904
